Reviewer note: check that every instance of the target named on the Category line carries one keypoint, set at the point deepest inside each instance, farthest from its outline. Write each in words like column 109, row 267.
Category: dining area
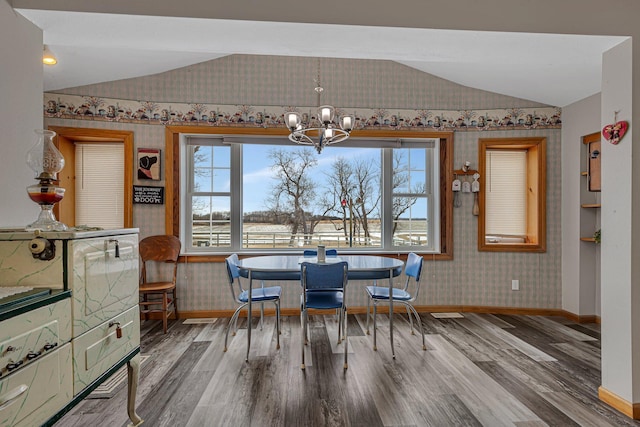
column 322, row 277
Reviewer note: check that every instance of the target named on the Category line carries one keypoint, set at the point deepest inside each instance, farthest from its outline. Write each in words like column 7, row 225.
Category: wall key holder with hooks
column 465, row 186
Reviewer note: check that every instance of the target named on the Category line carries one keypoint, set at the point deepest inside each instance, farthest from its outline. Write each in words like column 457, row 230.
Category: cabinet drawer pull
column 33, row 354
column 118, row 329
column 106, row 246
column 11, row 396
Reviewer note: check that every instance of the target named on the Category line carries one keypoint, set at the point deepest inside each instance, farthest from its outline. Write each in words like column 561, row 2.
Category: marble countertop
column 72, row 233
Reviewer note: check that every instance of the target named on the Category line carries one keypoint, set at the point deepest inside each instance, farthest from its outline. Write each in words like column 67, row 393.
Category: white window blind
column 100, row 185
column 506, row 198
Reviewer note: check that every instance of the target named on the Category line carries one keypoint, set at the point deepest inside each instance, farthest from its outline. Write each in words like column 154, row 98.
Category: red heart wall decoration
column 614, row 133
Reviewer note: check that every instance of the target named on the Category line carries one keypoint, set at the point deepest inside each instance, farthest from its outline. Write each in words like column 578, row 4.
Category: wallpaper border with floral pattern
column 77, row 107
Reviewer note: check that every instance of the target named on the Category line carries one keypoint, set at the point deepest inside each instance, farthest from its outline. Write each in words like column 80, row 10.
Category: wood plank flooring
column 479, row 370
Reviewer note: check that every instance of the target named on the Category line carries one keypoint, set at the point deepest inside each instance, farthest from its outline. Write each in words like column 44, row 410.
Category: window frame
column 188, row 188
column 65, row 140
column 535, row 239
column 173, row 135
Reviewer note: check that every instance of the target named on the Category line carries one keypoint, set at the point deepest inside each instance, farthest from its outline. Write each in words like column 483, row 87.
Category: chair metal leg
column 304, row 335
column 339, row 326
column 410, row 319
column 233, row 320
column 277, row 303
column 424, row 347
column 279, row 319
column 235, row 326
column 346, row 341
column 375, row 327
column 368, row 312
column 346, row 324
column 261, row 315
column 390, row 300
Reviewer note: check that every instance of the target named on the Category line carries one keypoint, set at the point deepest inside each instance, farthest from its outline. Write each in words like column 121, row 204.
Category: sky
column 259, row 177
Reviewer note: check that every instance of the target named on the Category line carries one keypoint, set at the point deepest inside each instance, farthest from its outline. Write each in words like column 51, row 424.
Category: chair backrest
column 413, row 269
column 162, row 248
column 314, row 252
column 233, row 274
column 324, row 277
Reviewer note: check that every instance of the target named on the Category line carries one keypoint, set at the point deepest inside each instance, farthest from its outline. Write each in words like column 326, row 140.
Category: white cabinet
column 57, row 348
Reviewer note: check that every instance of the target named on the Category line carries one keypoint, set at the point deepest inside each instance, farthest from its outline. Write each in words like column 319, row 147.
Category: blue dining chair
column 324, row 288
column 376, row 293
column 260, row 295
column 314, row 252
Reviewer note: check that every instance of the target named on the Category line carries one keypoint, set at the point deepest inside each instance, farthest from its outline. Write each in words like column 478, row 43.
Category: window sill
column 512, row 247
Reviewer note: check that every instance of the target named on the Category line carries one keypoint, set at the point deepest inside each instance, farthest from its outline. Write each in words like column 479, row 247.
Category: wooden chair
column 155, row 295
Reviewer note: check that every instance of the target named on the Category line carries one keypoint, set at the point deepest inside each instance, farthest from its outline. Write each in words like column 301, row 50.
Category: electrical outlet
column 515, row 285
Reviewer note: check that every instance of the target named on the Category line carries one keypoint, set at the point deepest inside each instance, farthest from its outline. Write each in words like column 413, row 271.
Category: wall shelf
column 588, row 239
column 467, row 172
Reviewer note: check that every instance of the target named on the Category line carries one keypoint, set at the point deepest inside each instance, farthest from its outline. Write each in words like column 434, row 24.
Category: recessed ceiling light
column 47, row 57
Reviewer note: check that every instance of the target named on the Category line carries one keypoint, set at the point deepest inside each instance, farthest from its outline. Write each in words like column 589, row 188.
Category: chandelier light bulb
column 328, row 133
column 325, row 114
column 346, row 122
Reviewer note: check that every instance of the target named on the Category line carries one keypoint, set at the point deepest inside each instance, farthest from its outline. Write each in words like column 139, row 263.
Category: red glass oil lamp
column 46, row 161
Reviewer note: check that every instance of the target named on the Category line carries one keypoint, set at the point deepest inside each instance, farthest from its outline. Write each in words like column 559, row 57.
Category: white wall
column 620, row 339
column 580, row 272
column 20, row 112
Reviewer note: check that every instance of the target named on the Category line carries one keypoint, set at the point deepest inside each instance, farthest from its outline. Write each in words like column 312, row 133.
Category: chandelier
column 321, row 130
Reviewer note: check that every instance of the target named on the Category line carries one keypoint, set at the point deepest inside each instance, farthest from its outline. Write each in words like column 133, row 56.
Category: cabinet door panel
column 103, row 284
column 99, row 349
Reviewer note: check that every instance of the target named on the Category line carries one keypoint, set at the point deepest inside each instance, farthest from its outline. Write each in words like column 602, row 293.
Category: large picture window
column 250, row 194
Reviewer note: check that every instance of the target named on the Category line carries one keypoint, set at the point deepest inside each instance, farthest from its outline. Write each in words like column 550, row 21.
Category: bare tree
column 367, row 194
column 358, row 184
column 294, row 191
column 339, row 183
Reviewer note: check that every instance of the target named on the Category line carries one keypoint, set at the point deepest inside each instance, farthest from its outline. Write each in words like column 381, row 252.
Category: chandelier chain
column 319, row 89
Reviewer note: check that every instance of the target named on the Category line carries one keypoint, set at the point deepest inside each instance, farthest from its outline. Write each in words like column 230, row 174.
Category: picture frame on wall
column 149, row 163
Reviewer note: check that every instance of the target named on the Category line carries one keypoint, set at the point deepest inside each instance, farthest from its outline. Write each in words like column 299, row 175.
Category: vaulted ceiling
column 95, row 47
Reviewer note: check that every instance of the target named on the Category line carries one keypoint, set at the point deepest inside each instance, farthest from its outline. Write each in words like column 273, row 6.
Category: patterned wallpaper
column 283, row 80
column 471, row 278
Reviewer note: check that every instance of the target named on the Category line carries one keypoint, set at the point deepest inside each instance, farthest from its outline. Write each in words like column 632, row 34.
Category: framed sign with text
column 148, row 195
